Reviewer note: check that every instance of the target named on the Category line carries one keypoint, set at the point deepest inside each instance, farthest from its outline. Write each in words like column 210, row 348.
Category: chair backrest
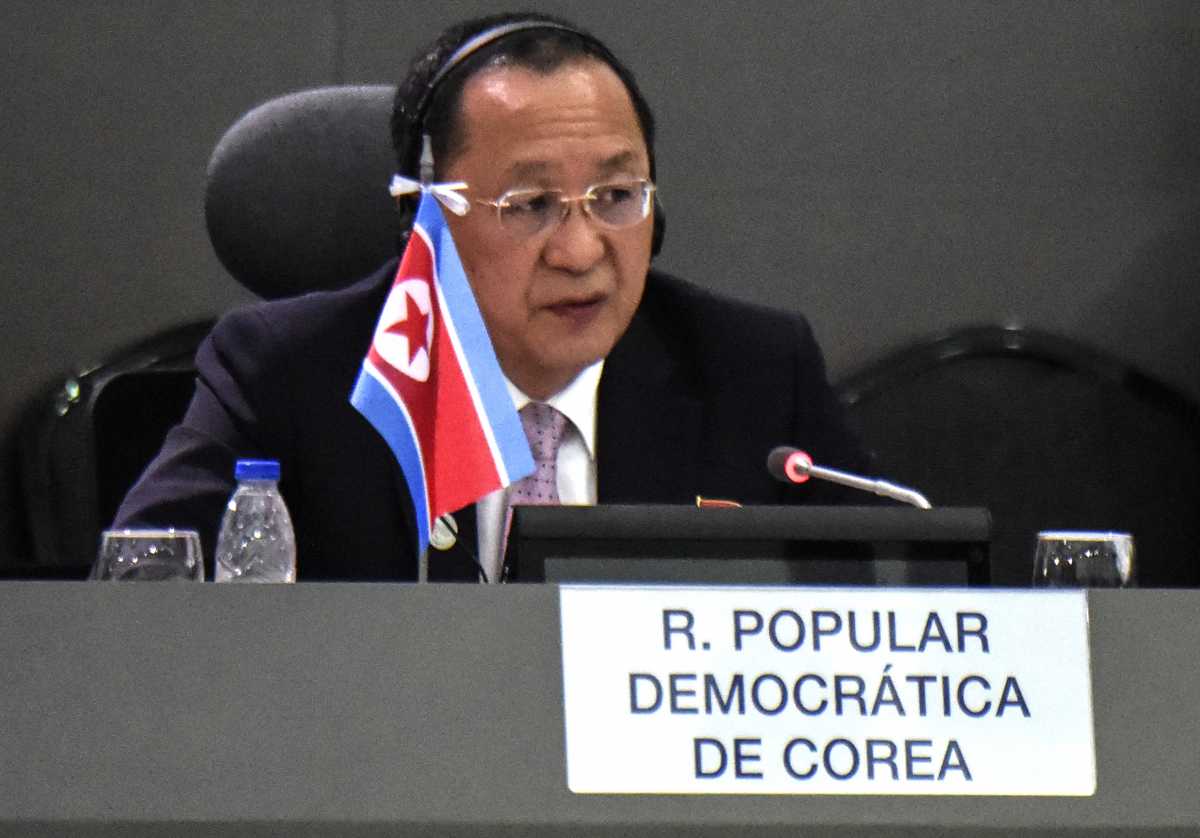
column 297, row 196
column 1045, row 432
column 84, row 444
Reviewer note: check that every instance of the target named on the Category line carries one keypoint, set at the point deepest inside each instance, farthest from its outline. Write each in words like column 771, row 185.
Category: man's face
column 557, row 301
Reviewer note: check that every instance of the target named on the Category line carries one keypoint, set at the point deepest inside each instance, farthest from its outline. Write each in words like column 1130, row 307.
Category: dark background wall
column 891, row 169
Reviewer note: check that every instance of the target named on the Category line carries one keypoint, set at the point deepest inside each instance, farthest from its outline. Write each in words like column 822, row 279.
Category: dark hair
column 541, row 50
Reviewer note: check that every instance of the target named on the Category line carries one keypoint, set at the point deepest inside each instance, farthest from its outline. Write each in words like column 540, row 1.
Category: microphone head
column 789, row 465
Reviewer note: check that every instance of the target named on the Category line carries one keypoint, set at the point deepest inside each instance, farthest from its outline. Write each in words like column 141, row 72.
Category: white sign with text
column 691, row 690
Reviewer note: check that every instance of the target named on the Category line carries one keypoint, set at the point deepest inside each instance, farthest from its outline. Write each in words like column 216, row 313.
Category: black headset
column 414, row 139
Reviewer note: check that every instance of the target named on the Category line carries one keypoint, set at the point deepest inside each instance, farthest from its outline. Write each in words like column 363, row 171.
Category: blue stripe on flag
column 478, row 356
column 384, row 409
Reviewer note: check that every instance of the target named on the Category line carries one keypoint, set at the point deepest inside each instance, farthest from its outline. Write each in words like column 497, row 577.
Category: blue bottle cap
column 257, row 470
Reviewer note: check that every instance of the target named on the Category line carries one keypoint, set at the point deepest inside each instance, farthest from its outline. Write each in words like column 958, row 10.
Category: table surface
column 350, row 709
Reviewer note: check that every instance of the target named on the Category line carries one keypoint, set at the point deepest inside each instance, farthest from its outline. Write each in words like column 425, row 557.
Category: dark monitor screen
column 785, row 545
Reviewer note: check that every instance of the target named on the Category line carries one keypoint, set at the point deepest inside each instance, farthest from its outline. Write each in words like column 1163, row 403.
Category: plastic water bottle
column 256, row 543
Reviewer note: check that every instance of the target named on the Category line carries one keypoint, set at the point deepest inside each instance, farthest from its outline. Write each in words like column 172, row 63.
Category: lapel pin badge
column 445, row 533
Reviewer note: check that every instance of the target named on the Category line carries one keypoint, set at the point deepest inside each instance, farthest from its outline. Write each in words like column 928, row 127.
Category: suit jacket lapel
column 648, row 422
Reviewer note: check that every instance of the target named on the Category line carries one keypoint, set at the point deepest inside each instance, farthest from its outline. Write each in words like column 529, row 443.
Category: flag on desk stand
column 431, row 384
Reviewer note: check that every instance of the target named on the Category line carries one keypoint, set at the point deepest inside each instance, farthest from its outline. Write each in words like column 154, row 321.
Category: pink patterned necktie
column 545, row 427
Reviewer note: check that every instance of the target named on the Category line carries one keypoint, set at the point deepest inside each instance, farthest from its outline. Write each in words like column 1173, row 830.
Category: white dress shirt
column 575, row 464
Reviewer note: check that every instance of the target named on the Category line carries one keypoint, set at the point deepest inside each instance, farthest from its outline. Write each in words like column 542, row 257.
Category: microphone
column 791, row 465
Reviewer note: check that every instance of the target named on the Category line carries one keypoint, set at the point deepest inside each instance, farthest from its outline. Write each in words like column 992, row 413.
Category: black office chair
column 296, row 200
column 85, row 442
column 1046, row 433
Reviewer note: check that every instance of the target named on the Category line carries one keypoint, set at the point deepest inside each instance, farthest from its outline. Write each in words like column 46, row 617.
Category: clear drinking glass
column 1071, row 559
column 149, row 556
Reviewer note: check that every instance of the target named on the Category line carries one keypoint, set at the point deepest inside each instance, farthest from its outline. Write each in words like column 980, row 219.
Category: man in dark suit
column 669, row 392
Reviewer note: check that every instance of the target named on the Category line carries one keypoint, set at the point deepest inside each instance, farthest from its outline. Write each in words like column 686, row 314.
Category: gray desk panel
column 380, row 709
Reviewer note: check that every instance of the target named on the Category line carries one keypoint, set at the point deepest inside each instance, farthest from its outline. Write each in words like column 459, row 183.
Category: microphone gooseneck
column 791, row 465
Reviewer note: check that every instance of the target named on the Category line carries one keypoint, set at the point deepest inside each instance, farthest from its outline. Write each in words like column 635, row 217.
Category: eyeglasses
column 525, row 213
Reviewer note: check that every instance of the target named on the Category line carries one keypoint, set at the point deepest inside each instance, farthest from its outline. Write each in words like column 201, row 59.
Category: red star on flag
column 414, row 327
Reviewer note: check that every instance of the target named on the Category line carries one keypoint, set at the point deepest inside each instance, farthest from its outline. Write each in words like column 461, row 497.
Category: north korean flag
column 431, row 384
